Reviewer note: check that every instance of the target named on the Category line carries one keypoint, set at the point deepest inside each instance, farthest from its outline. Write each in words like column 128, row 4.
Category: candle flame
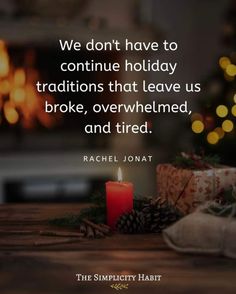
column 119, row 175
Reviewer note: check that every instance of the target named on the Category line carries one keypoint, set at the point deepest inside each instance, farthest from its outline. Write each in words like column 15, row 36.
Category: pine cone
column 131, row 223
column 159, row 214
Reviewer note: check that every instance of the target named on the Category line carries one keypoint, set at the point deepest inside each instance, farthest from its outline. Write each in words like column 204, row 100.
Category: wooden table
column 27, row 268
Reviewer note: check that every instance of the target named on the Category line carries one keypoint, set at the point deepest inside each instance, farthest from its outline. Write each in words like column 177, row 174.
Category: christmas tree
column 214, row 125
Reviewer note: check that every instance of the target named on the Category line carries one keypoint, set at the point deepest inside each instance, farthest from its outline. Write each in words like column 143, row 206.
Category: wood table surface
column 29, row 268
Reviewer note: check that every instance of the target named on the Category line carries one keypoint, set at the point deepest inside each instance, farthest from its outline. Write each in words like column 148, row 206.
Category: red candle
column 119, row 199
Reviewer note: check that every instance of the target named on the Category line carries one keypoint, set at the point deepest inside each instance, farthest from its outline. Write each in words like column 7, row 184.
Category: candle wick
column 119, row 175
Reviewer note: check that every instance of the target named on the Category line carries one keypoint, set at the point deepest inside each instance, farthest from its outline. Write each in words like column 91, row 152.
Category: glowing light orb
column 213, row 138
column 197, row 126
column 220, row 132
column 227, row 125
column 224, row 62
column 233, row 110
column 222, row 111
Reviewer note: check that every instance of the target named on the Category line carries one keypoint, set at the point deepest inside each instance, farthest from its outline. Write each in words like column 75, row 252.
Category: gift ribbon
column 183, row 190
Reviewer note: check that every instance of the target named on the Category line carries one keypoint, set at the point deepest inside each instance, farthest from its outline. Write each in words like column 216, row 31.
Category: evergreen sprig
column 221, row 210
column 227, row 205
column 195, row 161
column 96, row 212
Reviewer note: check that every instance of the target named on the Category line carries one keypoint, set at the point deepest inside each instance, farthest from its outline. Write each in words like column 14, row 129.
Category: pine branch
column 193, row 161
column 95, row 213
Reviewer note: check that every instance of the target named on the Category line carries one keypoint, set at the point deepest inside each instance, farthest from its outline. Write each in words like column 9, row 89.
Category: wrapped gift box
column 189, row 188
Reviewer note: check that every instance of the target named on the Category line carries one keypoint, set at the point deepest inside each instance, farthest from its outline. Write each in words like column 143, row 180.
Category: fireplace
column 25, row 125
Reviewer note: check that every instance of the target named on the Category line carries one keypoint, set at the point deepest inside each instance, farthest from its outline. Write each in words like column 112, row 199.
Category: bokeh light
column 231, row 70
column 220, row 132
column 4, row 87
column 19, row 77
column 234, row 98
column 224, row 62
column 197, row 126
column 222, row 111
column 213, row 138
column 233, row 110
column 227, row 125
column 196, row 116
column 18, row 95
column 11, row 114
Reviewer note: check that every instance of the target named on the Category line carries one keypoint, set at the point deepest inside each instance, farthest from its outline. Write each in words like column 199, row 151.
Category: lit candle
column 119, row 199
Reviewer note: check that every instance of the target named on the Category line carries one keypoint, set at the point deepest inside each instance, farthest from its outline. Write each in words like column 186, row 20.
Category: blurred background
column 41, row 154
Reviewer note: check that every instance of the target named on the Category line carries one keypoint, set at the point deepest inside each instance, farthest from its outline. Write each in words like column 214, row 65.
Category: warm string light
column 227, row 125
column 234, row 98
column 201, row 124
column 220, row 132
column 197, row 126
column 233, row 110
column 213, row 138
column 231, row 70
column 19, row 100
column 222, row 111
column 228, row 67
column 224, row 62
